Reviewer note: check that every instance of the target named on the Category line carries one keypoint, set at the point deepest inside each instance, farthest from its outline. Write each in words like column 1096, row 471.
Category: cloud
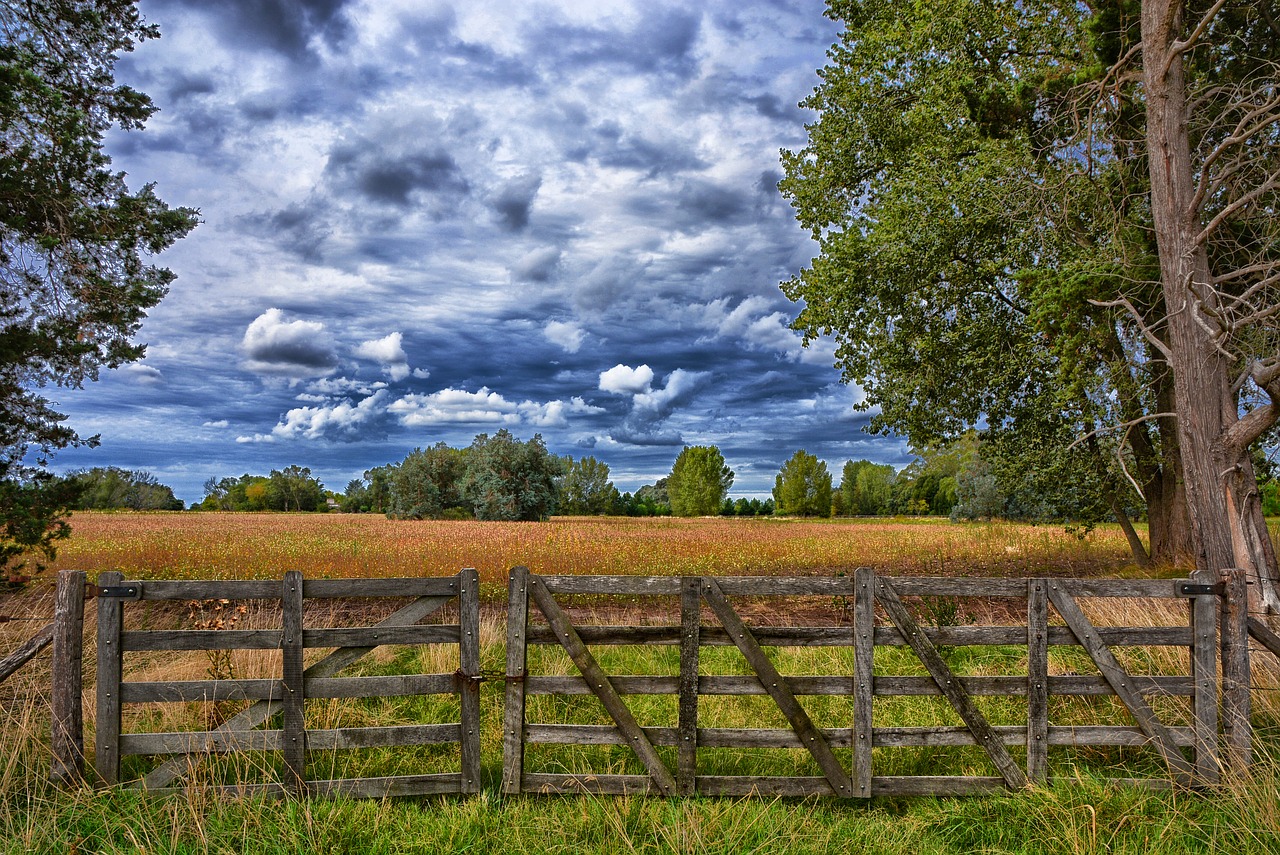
column 537, row 266
column 395, row 173
column 220, row 423
column 625, row 380
column 513, row 201
column 296, row 349
column 566, row 334
column 389, row 353
column 341, row 420
column 485, row 406
column 143, row 375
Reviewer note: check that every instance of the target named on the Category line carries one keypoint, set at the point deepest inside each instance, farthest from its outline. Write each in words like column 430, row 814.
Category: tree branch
column 1147, row 333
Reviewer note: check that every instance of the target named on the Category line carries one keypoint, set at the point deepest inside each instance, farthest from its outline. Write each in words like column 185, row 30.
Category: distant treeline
column 500, row 477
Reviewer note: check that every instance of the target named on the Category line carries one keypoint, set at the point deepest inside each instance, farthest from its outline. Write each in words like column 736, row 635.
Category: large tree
column 991, row 243
column 75, row 283
column 803, row 487
column 699, row 481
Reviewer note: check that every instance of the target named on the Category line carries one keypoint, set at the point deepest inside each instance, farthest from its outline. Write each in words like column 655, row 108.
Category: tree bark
column 1222, row 497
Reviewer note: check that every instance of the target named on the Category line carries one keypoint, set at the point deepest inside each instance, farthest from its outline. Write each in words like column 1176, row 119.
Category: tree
column 699, row 481
column 803, row 487
column 1106, row 214
column 113, row 488
column 507, row 479
column 585, row 488
column 427, row 483
column 74, row 283
column 866, row 488
column 294, row 489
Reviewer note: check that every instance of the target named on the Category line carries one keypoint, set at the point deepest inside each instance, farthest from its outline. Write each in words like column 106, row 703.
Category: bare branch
column 1147, row 332
column 1179, row 48
column 1272, row 182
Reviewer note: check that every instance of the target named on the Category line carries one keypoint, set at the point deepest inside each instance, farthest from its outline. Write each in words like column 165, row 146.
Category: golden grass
column 226, row 545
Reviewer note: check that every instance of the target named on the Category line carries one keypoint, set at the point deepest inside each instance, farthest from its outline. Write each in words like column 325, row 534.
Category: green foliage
column 427, row 483
column 585, row 489
column 290, row 489
column 113, row 488
column 803, row 487
column 866, row 488
column 33, row 518
column 74, row 282
column 699, row 481
column 506, row 479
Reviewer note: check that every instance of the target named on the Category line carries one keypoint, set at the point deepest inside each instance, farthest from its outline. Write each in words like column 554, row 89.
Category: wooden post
column 67, row 708
column 864, row 630
column 690, row 639
column 110, row 672
column 1037, row 681
column 469, row 664
column 1236, row 729
column 513, row 710
column 294, row 736
column 25, row 653
column 1204, row 672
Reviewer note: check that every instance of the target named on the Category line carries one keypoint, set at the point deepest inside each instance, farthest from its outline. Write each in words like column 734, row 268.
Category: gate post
column 469, row 665
column 513, row 712
column 110, row 672
column 1204, row 671
column 66, row 704
column 1236, row 729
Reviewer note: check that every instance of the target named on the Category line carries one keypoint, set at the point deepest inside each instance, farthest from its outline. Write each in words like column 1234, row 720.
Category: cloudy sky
column 428, row 220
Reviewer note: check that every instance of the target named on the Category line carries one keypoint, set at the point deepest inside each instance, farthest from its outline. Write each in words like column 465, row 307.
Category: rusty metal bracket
column 118, row 592
column 1195, row 589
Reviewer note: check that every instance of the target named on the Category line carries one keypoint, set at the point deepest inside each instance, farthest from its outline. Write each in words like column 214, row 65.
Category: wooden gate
column 288, row 694
column 878, row 614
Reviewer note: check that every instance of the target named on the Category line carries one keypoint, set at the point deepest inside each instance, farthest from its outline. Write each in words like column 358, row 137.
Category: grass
column 1079, row 813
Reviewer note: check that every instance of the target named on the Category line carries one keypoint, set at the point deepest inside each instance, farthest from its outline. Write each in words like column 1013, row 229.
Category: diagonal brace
column 778, row 689
column 1121, row 683
column 601, row 686
column 950, row 686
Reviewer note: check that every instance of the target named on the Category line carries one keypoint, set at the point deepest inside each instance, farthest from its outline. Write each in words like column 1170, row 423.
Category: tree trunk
column 1222, row 496
column 1168, row 521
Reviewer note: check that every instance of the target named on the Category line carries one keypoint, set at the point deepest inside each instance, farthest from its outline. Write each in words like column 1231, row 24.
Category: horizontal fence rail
column 882, row 613
column 286, row 696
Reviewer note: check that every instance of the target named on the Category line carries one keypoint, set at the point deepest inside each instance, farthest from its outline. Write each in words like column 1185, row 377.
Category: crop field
column 264, row 546
column 1079, row 813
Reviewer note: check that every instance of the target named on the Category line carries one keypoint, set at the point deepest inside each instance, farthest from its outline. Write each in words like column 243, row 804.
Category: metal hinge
column 1195, row 589
column 117, row 592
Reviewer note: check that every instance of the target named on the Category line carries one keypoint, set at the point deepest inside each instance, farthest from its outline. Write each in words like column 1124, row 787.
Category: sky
column 423, row 221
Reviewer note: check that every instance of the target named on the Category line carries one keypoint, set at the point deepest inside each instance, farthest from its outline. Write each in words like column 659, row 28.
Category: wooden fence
column 288, row 695
column 848, row 757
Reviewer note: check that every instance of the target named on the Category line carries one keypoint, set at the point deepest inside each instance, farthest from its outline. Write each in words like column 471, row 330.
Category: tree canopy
column 75, row 282
column 699, row 481
column 803, row 487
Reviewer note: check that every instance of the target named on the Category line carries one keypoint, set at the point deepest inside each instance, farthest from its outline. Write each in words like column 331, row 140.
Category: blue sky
column 424, row 221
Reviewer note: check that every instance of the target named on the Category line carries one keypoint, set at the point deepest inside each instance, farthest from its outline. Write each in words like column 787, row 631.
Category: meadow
column 1079, row 813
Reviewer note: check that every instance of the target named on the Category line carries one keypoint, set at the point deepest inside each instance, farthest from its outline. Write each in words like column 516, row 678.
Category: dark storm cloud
column 391, row 178
column 514, row 199
column 610, row 145
column 288, row 27
column 538, row 265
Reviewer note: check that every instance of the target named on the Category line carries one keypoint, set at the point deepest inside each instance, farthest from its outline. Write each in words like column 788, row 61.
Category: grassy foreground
column 1079, row 814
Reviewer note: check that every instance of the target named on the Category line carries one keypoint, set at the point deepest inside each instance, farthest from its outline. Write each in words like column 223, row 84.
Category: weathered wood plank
column 390, row 685
column 769, row 636
column 25, row 652
column 293, row 699
column 809, row 735
column 687, row 709
column 951, row 688
column 372, row 788
column 864, row 629
column 1236, row 677
column 924, row 785
column 1264, row 635
column 332, row 664
column 469, row 665
column 328, row 739
column 602, row 785
column 201, row 639
column 599, row 681
column 1204, row 671
column 1120, row 681
column 1037, row 681
column 411, row 586
column 110, row 669
column 66, row 725
column 735, row 586
column 374, row 635
column 237, row 589
column 517, row 665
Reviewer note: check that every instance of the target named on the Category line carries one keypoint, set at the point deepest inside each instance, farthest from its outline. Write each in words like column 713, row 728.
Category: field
column 1080, row 815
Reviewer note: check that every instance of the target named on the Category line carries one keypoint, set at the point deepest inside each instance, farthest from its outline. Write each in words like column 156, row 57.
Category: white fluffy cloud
column 484, row 407
column 341, row 419
column 566, row 334
column 624, row 380
column 288, row 348
column 388, row 352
